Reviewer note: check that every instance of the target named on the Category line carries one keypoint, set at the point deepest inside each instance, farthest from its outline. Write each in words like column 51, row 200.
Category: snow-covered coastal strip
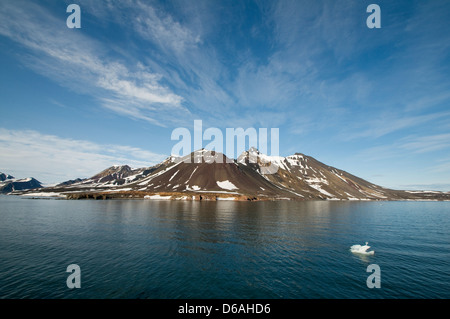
column 157, row 197
column 226, row 198
column 44, row 195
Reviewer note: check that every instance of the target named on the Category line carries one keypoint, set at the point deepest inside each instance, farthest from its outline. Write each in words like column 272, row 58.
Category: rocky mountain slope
column 10, row 184
column 4, row 177
column 205, row 175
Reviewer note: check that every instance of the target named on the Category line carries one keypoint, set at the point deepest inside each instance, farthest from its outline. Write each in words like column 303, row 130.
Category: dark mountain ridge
column 9, row 184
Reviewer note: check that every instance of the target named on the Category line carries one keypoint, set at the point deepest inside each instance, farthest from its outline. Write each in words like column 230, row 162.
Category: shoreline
column 209, row 196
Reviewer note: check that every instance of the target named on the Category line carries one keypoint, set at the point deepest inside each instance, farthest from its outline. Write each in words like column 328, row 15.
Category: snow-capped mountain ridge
column 9, row 184
column 252, row 176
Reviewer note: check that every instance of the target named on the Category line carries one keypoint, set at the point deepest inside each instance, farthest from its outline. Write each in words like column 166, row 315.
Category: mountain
column 206, row 175
column 70, row 182
column 10, row 184
column 308, row 178
column 199, row 175
column 4, row 177
column 109, row 178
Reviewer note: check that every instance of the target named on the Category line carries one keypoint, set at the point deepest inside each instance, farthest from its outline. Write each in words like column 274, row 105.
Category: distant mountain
column 4, row 177
column 252, row 176
column 10, row 184
column 109, row 178
column 70, row 182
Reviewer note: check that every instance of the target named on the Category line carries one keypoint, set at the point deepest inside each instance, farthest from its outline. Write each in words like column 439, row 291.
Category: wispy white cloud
column 388, row 122
column 311, row 62
column 81, row 63
column 177, row 52
column 442, row 187
column 428, row 101
column 163, row 29
column 424, row 144
column 50, row 158
column 441, row 167
column 184, row 54
column 408, row 146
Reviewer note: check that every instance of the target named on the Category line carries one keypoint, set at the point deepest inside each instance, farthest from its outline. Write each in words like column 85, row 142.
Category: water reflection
column 225, row 249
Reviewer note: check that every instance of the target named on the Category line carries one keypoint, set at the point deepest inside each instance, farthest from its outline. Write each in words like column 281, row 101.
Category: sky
column 374, row 102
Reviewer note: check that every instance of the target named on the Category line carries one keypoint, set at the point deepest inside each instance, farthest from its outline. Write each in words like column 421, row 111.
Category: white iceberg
column 358, row 249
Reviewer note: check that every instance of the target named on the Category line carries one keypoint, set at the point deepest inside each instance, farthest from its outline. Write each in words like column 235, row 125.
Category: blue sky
column 374, row 102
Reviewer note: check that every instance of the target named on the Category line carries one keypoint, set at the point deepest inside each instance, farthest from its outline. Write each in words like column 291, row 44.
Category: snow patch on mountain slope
column 227, row 185
column 317, row 187
column 343, row 179
column 315, row 180
column 191, row 175
column 148, row 179
column 173, row 175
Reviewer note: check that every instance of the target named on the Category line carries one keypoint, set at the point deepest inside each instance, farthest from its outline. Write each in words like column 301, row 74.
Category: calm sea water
column 179, row 249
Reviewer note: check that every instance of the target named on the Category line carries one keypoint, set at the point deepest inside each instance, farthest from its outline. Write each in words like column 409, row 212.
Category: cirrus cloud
column 51, row 159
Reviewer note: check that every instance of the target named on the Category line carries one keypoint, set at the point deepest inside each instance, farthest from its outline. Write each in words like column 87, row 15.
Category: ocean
column 158, row 249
